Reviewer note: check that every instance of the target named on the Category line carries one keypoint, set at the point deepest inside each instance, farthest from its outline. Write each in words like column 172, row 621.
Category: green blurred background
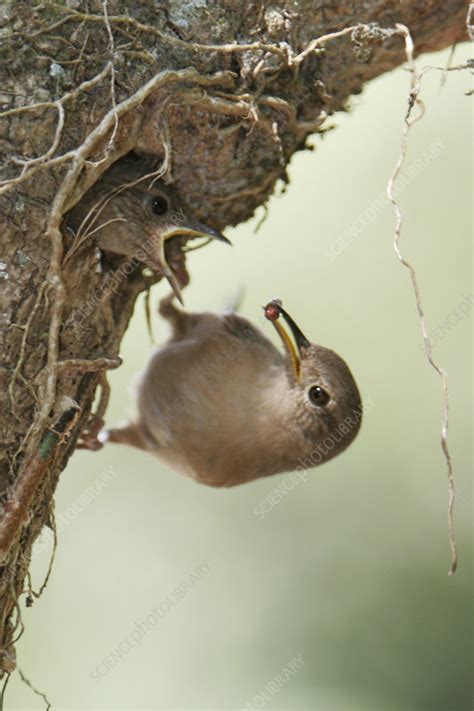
column 349, row 570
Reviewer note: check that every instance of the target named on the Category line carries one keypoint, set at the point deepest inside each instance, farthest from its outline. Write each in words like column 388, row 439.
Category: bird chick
column 129, row 212
column 221, row 404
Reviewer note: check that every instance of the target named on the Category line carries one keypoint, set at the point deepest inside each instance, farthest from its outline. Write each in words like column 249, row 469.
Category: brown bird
column 221, row 404
column 131, row 213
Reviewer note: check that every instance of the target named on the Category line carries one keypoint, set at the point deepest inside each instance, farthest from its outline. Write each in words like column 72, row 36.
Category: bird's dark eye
column 159, row 205
column 318, row 396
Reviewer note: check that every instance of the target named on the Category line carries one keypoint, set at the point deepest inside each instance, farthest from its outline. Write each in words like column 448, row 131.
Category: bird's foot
column 89, row 437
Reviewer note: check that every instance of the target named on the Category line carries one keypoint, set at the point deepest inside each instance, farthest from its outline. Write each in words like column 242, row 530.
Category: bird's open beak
column 300, row 341
column 193, row 228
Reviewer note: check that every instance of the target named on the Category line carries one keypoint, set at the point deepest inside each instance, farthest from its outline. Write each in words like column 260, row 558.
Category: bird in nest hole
column 130, row 212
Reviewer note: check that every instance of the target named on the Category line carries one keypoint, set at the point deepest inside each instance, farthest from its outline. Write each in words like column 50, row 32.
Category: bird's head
column 326, row 404
column 131, row 213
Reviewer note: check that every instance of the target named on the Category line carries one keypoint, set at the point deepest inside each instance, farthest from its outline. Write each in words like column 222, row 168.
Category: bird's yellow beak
column 273, row 310
column 193, row 228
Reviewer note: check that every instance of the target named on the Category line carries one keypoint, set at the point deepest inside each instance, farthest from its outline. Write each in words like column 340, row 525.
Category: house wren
column 221, row 404
column 131, row 213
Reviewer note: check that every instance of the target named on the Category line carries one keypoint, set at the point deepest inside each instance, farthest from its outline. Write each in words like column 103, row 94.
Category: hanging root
column 414, row 100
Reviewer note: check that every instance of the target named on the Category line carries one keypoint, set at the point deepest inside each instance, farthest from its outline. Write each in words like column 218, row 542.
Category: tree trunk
column 222, row 94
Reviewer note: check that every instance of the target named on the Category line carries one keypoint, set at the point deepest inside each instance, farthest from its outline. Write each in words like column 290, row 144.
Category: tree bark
column 221, row 95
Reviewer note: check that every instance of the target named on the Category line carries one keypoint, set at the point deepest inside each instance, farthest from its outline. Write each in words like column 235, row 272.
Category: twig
column 262, row 219
column 17, row 507
column 31, row 592
column 18, row 624
column 300, row 127
column 21, row 356
column 34, row 689
column 169, row 39
column 54, row 145
column 318, row 41
column 104, row 396
column 447, row 67
column 84, row 365
column 2, row 692
column 112, row 73
column 413, row 99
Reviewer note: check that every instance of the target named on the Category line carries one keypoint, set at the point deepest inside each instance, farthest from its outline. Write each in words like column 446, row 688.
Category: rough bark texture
column 225, row 119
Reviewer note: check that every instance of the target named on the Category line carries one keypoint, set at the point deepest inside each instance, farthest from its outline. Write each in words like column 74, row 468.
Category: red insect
column 272, row 309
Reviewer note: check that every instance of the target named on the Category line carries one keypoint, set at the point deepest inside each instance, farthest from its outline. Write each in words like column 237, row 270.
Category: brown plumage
column 221, row 404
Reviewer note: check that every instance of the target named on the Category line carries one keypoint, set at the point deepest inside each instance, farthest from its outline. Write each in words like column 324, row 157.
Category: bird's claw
column 89, row 437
